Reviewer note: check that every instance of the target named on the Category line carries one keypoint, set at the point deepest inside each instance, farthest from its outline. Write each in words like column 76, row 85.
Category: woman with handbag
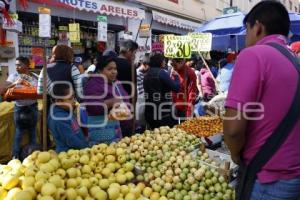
column 104, row 101
column 26, row 110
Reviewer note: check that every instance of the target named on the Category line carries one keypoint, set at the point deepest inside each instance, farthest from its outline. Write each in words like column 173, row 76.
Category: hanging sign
column 145, row 31
column 177, row 46
column 102, row 28
column 44, row 22
column 74, row 32
column 201, row 41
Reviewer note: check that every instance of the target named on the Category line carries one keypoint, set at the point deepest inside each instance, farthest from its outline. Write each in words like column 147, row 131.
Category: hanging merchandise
column 74, row 32
column 44, row 22
column 102, row 28
column 4, row 9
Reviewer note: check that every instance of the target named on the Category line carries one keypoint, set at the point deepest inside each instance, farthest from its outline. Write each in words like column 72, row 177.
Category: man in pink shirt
column 263, row 87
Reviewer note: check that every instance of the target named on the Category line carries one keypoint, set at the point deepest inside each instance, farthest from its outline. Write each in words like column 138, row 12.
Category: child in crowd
column 62, row 122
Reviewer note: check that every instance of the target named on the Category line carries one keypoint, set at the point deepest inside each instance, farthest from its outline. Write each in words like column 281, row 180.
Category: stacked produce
column 163, row 166
column 101, row 172
column 169, row 171
column 203, row 126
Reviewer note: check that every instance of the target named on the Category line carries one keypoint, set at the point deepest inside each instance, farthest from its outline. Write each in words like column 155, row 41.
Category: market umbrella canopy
column 225, row 24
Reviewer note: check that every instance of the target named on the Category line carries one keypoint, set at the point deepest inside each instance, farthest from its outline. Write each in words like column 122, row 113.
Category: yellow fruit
column 47, row 168
column 56, row 180
column 3, row 193
column 32, row 192
column 121, row 178
column 86, row 169
column 44, row 157
column 100, row 195
column 110, row 159
column 106, row 172
column 28, row 182
column 130, row 196
column 86, row 183
column 113, row 193
column 124, row 189
column 9, row 181
column 154, row 196
column 72, row 183
column 38, row 185
column 23, row 195
column 72, row 172
column 59, row 194
column 83, row 191
column 12, row 193
column 84, row 159
column 104, row 184
column 71, row 194
column 163, row 198
column 147, row 192
column 94, row 190
column 128, row 167
column 61, row 172
column 48, row 189
column 46, row 198
column 129, row 176
column 41, row 175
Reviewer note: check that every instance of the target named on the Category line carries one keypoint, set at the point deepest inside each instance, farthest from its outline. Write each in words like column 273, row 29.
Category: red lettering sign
column 103, row 8
column 111, row 9
column 174, row 1
column 118, row 10
column 135, row 13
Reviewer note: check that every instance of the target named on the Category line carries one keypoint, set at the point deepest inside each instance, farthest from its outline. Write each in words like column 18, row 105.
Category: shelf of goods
column 155, row 165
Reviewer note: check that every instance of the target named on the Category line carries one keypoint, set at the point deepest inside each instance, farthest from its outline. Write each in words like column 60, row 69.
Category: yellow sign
column 201, row 41
column 74, row 27
column 177, row 46
column 74, row 37
column 74, row 32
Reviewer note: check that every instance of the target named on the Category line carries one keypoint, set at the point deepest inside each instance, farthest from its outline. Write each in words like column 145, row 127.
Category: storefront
column 119, row 16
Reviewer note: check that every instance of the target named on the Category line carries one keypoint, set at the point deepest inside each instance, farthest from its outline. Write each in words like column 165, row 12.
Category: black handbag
column 248, row 174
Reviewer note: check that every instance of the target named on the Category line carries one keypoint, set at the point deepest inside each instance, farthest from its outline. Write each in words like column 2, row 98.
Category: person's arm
column 173, row 85
column 192, row 92
column 234, row 133
column 244, row 89
column 77, row 80
column 74, row 140
column 40, row 83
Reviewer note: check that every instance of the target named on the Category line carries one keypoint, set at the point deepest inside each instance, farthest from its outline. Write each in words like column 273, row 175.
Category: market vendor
column 25, row 111
column 62, row 122
column 262, row 125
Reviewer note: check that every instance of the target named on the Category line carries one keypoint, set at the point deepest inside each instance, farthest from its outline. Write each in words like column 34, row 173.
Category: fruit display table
column 7, row 130
column 155, row 165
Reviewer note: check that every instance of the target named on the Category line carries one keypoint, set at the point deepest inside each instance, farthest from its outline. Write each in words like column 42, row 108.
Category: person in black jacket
column 158, row 86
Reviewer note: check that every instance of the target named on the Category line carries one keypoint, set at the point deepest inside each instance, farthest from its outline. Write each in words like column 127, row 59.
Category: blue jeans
column 280, row 190
column 22, row 124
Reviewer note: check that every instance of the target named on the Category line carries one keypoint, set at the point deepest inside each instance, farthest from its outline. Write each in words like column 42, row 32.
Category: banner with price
column 74, row 32
column 177, row 46
column 201, row 41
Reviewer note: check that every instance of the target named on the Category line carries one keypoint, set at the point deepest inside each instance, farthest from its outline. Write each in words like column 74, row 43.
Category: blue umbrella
column 224, row 25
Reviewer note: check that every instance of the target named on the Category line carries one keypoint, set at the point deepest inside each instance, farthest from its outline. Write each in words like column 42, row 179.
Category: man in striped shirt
column 140, row 104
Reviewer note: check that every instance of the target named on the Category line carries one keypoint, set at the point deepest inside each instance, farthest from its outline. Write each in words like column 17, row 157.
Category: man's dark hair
column 272, row 14
column 128, row 45
column 156, row 60
column 60, row 90
column 23, row 60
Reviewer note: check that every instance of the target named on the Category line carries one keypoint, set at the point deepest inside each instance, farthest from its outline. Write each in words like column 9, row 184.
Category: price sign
column 44, row 23
column 201, row 41
column 74, row 32
column 177, row 46
column 102, row 28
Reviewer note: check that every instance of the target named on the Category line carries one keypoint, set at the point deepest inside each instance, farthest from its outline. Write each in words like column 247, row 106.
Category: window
column 296, row 9
column 291, row 5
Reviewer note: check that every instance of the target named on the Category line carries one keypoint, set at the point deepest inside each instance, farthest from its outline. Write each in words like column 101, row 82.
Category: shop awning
column 99, row 6
column 174, row 21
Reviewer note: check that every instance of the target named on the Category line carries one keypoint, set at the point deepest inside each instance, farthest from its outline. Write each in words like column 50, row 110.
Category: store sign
column 102, row 28
column 177, row 47
column 230, row 10
column 145, row 31
column 201, row 41
column 106, row 7
column 157, row 46
column 174, row 21
column 74, row 32
column 44, row 23
column 16, row 26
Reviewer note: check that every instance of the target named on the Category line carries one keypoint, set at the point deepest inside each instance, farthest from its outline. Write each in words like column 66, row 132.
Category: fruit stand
column 157, row 165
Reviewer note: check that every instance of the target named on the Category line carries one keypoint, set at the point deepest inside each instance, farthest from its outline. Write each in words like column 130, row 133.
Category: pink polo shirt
column 263, row 75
